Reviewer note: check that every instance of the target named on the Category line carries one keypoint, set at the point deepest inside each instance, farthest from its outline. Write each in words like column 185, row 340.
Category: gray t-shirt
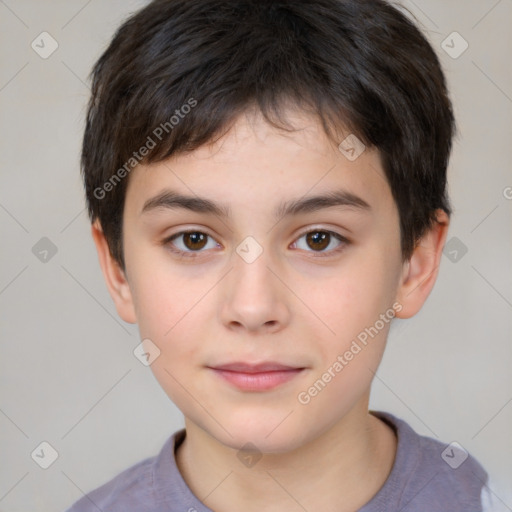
column 427, row 476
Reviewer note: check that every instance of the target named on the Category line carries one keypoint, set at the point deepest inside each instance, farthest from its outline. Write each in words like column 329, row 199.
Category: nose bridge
column 255, row 297
column 251, row 267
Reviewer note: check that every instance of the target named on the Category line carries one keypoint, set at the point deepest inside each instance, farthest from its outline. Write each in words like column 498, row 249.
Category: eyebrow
column 169, row 199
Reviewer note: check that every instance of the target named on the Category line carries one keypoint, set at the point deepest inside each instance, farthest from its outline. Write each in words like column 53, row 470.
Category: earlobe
column 115, row 278
column 420, row 272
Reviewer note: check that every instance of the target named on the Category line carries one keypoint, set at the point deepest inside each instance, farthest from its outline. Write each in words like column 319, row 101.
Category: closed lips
column 257, row 368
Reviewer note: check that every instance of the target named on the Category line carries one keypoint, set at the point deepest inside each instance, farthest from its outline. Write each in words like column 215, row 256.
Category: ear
column 420, row 272
column 115, row 277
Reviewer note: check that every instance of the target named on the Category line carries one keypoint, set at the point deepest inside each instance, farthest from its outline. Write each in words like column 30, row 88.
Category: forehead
column 256, row 163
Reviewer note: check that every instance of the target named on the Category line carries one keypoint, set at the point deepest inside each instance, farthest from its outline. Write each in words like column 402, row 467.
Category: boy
column 266, row 183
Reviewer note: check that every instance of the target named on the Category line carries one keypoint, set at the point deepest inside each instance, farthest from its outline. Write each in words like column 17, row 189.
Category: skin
column 289, row 305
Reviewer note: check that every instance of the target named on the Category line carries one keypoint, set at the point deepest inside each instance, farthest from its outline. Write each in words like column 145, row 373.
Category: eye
column 186, row 243
column 319, row 240
column 190, row 242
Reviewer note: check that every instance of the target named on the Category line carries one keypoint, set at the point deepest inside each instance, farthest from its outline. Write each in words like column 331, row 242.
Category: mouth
column 256, row 377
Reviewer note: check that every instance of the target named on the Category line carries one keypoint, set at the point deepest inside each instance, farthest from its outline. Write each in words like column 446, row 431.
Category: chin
column 268, row 436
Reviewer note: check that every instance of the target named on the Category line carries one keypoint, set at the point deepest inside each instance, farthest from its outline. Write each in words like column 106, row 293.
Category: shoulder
column 126, row 491
column 130, row 490
column 431, row 475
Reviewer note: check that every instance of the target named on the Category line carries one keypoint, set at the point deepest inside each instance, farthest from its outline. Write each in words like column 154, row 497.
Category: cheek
column 164, row 294
column 169, row 310
column 348, row 358
column 173, row 308
column 351, row 300
column 351, row 304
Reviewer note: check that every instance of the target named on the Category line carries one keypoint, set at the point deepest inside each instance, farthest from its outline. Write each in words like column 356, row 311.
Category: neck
column 340, row 470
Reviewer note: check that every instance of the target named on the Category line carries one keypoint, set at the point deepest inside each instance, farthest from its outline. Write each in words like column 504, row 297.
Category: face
column 270, row 276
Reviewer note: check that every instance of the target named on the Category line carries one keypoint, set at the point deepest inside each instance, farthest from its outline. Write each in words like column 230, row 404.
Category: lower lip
column 258, row 381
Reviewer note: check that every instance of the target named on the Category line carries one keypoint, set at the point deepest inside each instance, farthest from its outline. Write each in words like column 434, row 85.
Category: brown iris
column 194, row 240
column 318, row 239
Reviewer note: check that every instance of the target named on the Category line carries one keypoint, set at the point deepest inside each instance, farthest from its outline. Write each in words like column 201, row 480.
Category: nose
column 254, row 297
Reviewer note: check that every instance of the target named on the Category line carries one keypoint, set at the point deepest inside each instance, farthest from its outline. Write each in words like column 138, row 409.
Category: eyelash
column 317, row 254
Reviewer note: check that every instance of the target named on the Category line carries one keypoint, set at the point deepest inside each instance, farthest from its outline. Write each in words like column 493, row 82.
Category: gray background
column 68, row 373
